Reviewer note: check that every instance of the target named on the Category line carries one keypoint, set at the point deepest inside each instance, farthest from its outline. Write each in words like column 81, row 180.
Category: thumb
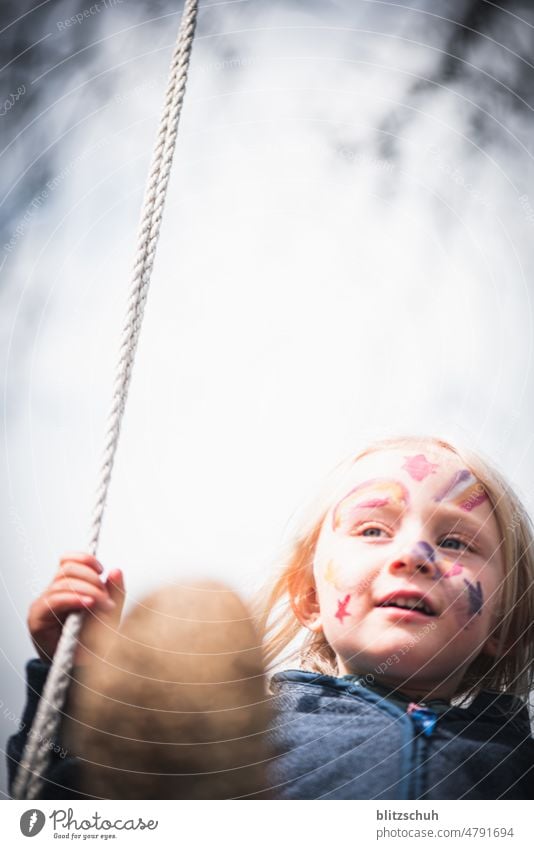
column 115, row 588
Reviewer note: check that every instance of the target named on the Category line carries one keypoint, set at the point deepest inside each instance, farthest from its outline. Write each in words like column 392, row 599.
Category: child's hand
column 77, row 586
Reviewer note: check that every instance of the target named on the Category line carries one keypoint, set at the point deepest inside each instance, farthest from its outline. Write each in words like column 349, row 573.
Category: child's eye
column 457, row 544
column 372, row 531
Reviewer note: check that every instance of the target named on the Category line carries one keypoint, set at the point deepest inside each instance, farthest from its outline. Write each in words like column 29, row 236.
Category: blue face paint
column 476, row 597
column 450, row 488
column 425, row 550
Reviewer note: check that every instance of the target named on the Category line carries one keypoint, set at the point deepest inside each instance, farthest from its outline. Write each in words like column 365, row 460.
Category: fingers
column 82, row 573
column 83, row 558
column 84, row 588
column 115, row 587
column 60, row 603
column 74, row 570
column 77, row 586
column 98, row 629
column 117, row 579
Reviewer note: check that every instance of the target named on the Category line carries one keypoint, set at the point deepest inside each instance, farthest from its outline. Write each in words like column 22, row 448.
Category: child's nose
column 420, row 557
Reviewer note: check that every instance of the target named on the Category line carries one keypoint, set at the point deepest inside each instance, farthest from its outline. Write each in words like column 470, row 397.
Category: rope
column 47, row 719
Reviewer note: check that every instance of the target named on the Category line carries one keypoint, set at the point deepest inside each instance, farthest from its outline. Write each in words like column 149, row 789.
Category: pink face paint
column 375, row 493
column 463, row 490
column 342, row 609
column 455, row 569
column 472, row 497
column 418, row 467
column 375, row 502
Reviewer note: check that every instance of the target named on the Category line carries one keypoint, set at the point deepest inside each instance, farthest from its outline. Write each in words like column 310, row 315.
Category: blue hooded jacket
column 340, row 738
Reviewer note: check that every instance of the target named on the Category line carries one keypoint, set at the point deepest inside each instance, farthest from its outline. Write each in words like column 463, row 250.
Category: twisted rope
column 47, row 719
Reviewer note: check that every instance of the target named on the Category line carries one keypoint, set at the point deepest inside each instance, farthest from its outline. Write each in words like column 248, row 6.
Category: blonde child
column 412, row 581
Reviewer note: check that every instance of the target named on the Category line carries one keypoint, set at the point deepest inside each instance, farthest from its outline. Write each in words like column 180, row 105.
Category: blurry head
column 174, row 707
column 414, row 567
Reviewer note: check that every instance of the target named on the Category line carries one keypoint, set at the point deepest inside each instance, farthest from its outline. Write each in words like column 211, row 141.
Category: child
column 413, row 576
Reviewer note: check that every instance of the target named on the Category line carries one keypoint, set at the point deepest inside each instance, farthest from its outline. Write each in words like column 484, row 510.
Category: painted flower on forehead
column 377, row 492
column 464, row 490
column 418, row 467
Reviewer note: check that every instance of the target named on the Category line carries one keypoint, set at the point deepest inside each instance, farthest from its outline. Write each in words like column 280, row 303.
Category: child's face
column 410, row 528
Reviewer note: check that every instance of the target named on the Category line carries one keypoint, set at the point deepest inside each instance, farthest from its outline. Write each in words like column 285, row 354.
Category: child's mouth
column 408, row 605
column 405, row 614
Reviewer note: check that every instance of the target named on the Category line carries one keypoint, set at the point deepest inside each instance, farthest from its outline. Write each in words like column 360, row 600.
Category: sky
column 346, row 253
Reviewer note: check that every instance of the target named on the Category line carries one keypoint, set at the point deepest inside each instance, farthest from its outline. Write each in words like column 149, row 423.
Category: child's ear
column 305, row 606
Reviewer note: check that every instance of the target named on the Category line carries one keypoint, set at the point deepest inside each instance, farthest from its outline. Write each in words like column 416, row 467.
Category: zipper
column 424, row 718
column 424, row 721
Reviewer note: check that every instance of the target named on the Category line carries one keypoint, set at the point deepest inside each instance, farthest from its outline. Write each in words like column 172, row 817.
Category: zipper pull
column 423, row 717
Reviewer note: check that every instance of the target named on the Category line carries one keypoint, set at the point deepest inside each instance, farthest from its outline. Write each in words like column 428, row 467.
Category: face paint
column 418, row 467
column 463, row 490
column 455, row 569
column 330, row 573
column 456, row 601
column 476, row 597
column 373, row 493
column 345, row 582
column 424, row 550
column 342, row 609
column 458, row 481
column 375, row 502
column 474, row 496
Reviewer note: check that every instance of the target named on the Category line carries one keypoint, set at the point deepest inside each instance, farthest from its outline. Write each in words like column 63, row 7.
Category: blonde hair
column 512, row 667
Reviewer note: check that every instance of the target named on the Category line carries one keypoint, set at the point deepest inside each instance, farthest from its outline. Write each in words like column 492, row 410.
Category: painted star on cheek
column 418, row 467
column 342, row 609
column 476, row 598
